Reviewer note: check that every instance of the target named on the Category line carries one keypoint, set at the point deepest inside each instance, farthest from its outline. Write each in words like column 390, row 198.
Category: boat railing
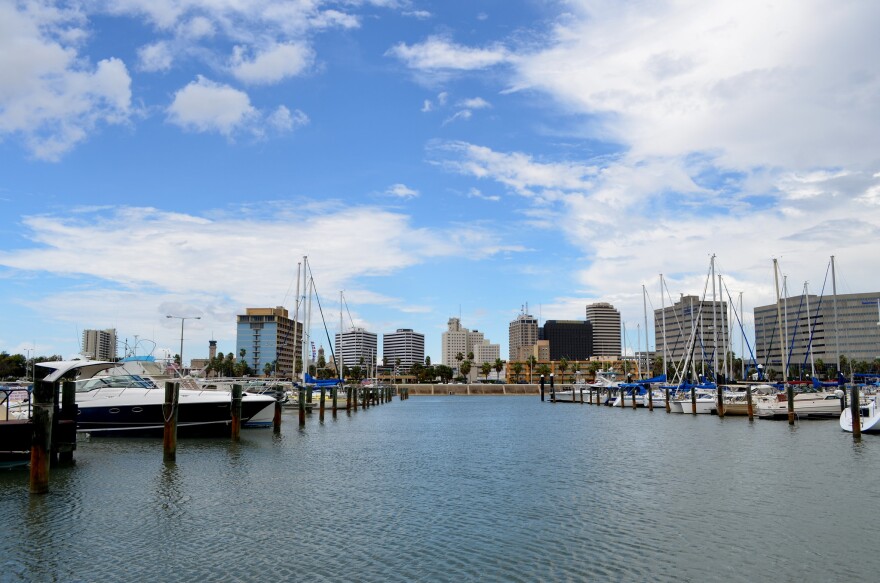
column 8, row 405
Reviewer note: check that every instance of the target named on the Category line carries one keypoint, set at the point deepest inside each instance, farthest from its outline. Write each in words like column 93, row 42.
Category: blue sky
column 431, row 158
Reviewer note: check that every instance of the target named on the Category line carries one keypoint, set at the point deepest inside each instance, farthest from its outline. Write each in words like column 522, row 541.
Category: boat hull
column 142, row 412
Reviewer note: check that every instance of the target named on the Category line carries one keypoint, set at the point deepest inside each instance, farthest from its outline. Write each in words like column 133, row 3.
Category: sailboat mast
column 305, row 307
column 645, row 309
column 742, row 338
column 834, row 303
column 295, row 324
column 809, row 332
column 782, row 358
column 714, row 326
column 663, row 313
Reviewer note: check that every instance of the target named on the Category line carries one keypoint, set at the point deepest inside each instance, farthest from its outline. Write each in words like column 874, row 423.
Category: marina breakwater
column 472, row 389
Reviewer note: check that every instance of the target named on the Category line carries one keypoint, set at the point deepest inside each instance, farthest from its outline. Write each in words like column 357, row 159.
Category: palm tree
column 427, row 361
column 486, row 368
column 517, row 369
column 499, row 366
column 459, row 357
column 466, row 370
column 531, row 361
column 563, row 366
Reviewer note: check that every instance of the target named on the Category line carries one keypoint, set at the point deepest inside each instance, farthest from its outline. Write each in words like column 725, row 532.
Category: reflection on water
column 459, row 489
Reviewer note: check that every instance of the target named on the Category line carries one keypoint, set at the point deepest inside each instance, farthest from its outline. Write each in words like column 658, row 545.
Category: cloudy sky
column 432, row 158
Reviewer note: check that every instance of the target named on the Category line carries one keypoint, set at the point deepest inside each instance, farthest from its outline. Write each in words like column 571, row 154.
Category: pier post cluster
column 52, row 432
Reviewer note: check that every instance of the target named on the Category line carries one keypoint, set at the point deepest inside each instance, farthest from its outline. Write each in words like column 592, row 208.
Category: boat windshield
column 115, row 382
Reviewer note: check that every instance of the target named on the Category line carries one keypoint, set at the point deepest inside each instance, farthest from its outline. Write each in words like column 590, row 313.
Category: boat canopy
column 310, row 380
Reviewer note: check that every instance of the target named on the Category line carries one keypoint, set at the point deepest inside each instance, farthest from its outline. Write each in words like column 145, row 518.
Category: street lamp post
column 182, row 320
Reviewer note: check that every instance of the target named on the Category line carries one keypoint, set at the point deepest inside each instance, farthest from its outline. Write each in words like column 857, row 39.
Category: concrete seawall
column 474, row 390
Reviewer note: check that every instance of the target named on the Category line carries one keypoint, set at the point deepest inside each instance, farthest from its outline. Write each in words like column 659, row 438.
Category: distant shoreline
column 474, row 389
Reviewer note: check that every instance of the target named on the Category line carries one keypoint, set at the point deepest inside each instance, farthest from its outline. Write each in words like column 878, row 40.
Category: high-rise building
column 405, row 345
column 523, row 333
column 605, row 320
column 857, row 327
column 269, row 337
column 357, row 347
column 692, row 318
column 459, row 340
column 99, row 344
column 569, row 339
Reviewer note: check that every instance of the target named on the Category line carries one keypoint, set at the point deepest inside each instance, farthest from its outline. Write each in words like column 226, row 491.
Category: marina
column 456, row 488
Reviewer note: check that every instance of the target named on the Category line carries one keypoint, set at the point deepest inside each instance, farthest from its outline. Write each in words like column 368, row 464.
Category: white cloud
column 50, row 96
column 272, row 65
column 401, row 191
column 474, row 103
column 155, row 57
column 787, row 83
column 438, row 52
column 477, row 193
column 464, row 114
column 419, row 14
column 205, row 106
column 427, row 106
column 516, row 170
column 283, row 120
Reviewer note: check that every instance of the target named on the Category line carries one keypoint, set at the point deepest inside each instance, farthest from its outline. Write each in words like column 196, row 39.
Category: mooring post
column 789, row 392
column 854, row 406
column 41, row 440
column 650, row 398
column 720, row 398
column 169, row 412
column 65, row 439
column 334, row 393
column 354, row 396
column 666, row 395
column 693, row 401
column 582, row 395
column 236, row 411
column 276, row 418
column 321, row 406
column 542, row 387
column 301, row 398
column 749, row 407
column 634, row 391
column 552, row 390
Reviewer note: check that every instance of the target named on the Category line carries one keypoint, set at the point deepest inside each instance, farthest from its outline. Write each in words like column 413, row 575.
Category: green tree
column 517, row 370
column 544, row 370
column 531, row 361
column 444, row 372
column 465, row 368
column 267, row 369
column 459, row 357
column 428, row 361
column 499, row 366
column 486, row 368
column 563, row 366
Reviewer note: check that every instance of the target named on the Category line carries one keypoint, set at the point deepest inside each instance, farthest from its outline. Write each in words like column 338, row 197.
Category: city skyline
column 432, row 160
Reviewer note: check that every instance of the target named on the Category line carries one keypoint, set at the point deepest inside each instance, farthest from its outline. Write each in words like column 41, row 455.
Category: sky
column 433, row 159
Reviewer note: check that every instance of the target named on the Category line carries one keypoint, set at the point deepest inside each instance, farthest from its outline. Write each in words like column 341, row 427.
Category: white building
column 459, row 340
column 358, row 348
column 687, row 317
column 605, row 320
column 99, row 344
column 406, row 345
column 523, row 334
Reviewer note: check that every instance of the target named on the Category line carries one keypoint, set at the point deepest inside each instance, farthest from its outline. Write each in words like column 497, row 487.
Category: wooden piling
column 169, row 413
column 582, row 396
column 301, row 397
column 720, row 397
column 41, row 440
column 693, row 401
column 276, row 418
column 236, row 411
column 65, row 439
column 650, row 398
column 334, row 394
column 321, row 406
column 633, row 399
column 854, row 406
column 542, row 387
column 668, row 406
column 749, row 406
column 789, row 392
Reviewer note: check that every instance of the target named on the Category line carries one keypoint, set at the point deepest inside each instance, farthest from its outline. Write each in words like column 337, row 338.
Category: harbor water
column 452, row 488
